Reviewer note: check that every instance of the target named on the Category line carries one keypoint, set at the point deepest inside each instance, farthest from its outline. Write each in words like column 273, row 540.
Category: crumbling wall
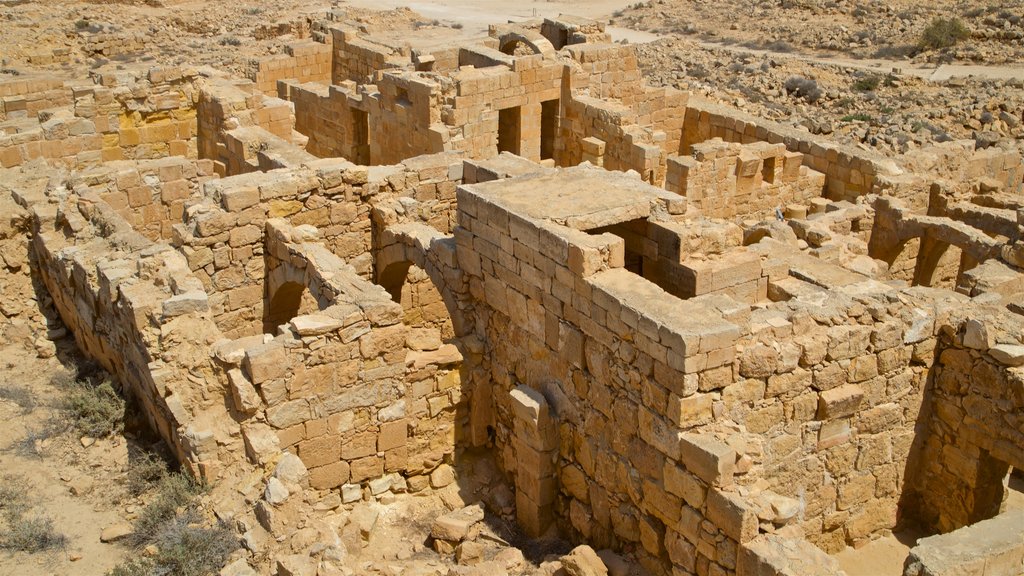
column 222, row 238
column 225, row 106
column 327, row 115
column 359, row 59
column 729, row 180
column 974, row 430
column 149, row 195
column 849, row 172
column 134, row 307
column 341, row 386
column 134, row 114
column 303, row 61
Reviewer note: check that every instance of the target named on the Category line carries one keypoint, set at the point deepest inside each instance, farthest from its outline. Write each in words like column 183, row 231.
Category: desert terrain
column 859, row 74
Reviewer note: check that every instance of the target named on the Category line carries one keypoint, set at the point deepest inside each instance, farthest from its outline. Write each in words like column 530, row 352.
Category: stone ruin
column 723, row 344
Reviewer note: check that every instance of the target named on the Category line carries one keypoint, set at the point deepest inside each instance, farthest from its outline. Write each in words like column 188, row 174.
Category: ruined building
column 727, row 345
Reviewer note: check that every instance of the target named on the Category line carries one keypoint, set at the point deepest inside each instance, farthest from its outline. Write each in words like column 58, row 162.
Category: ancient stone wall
column 973, row 431
column 223, row 108
column 849, row 172
column 332, row 117
column 134, row 307
column 359, row 59
column 223, row 237
column 729, row 180
column 149, row 195
column 340, row 386
column 135, row 114
column 303, row 61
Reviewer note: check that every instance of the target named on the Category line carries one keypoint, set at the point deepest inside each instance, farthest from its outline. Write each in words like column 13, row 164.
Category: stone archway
column 519, row 44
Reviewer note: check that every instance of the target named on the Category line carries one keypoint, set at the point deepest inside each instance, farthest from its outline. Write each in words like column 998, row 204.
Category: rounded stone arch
column 393, row 274
column 287, row 296
column 516, row 43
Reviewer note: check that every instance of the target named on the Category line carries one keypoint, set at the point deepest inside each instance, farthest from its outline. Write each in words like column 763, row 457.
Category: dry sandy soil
column 859, row 56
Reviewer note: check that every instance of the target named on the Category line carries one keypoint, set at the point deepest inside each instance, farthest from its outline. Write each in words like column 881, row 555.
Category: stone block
column 710, row 460
column 839, row 402
column 732, row 515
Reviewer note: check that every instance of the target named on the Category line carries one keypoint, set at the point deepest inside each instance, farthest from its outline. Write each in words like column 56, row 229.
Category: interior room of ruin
column 715, row 343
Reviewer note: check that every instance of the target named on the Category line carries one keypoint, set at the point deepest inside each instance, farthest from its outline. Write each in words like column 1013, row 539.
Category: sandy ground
column 52, row 469
column 885, row 556
column 476, row 15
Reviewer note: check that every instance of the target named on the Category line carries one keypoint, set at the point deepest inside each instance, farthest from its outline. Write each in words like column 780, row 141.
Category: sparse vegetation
column 173, row 491
column 230, row 41
column 805, row 88
column 22, row 529
column 19, row 395
column 867, row 83
column 859, row 117
column 96, row 411
column 943, row 33
column 146, row 471
column 172, row 522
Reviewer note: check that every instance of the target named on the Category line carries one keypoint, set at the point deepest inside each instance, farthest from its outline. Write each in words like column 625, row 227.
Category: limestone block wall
column 991, row 547
column 849, row 172
column 340, row 386
column 959, row 162
column 22, row 98
column 558, row 325
column 729, row 180
column 135, row 308
column 473, row 122
column 662, row 405
column 149, row 195
column 404, row 118
column 975, row 425
column 360, row 59
column 224, row 106
column 609, row 71
column 134, row 114
column 222, row 238
column 302, row 61
column 329, row 117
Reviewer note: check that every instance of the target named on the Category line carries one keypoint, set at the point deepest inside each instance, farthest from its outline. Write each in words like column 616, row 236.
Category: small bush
column 174, row 491
column 81, row 24
column 148, row 470
column 943, row 33
column 96, row 411
column 230, row 41
column 134, row 567
column 805, row 88
column 867, row 84
column 21, row 530
column 457, row 25
column 13, row 495
column 30, row 534
column 187, row 549
column 859, row 117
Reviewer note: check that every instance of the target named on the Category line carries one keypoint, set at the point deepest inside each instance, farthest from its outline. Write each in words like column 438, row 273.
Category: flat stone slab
column 993, row 547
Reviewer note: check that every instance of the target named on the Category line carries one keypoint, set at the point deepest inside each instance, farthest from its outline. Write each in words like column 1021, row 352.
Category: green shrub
column 96, row 411
column 943, row 33
column 867, row 84
column 858, row 117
